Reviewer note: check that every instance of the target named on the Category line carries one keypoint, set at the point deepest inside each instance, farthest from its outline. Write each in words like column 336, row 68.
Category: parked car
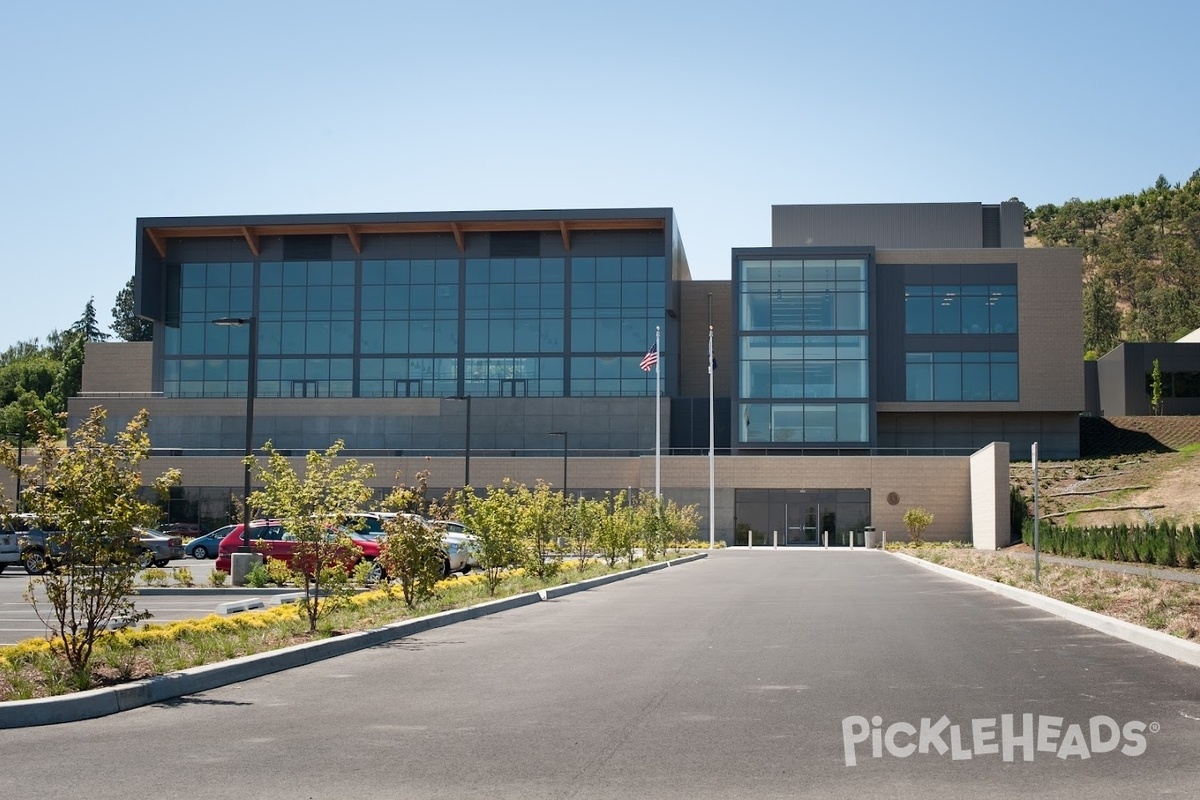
column 269, row 538
column 41, row 549
column 457, row 552
column 158, row 548
column 10, row 546
column 205, row 546
column 460, row 544
column 184, row 529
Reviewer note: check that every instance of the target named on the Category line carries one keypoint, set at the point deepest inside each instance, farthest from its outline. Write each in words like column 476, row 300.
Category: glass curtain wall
column 804, row 356
column 487, row 327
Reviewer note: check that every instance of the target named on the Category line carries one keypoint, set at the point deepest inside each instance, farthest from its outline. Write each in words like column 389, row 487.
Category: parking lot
column 18, row 620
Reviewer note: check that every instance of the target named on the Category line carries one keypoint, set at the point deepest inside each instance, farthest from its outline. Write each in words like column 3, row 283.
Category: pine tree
column 127, row 325
column 87, row 326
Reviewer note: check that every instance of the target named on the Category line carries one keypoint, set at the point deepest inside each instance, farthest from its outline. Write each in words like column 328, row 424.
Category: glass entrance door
column 802, row 517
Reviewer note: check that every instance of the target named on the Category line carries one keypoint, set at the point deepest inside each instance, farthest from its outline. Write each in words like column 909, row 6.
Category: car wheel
column 376, row 574
column 2, row 566
column 466, row 569
column 34, row 561
column 200, row 552
column 145, row 559
column 445, row 568
column 162, row 562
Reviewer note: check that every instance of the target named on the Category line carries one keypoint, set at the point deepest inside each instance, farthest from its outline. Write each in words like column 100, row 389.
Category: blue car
column 205, row 546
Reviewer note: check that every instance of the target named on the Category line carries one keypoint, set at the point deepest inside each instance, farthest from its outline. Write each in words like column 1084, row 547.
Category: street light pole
column 251, row 390
column 564, row 436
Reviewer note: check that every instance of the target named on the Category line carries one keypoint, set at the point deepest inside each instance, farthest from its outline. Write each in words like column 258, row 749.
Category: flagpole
column 657, row 417
column 712, row 451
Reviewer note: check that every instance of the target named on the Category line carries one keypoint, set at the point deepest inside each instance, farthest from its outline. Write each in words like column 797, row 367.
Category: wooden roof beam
column 457, row 230
column 566, row 234
column 251, row 239
column 355, row 238
column 159, row 242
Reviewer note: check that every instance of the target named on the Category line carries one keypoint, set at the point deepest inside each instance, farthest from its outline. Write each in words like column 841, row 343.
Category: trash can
column 869, row 537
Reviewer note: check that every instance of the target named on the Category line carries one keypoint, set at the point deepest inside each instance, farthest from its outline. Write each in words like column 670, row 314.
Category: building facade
column 864, row 359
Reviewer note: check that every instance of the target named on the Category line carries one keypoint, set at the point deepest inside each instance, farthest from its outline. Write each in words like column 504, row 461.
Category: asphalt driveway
column 746, row 674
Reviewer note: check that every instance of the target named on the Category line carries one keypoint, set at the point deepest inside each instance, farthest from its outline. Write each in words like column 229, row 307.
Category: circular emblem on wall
column 893, row 498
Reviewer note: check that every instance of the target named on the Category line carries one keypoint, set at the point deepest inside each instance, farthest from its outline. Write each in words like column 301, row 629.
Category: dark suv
column 40, row 551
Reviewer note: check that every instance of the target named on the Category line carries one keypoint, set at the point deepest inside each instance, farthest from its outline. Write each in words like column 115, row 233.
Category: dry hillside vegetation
column 1160, row 483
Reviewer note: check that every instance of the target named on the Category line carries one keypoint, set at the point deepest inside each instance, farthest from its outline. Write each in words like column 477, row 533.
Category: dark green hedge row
column 1165, row 544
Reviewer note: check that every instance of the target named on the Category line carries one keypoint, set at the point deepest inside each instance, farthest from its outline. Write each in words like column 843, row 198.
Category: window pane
column 946, row 316
column 583, row 335
column 918, row 379
column 1004, row 381
column 852, row 379
column 820, row 423
column 947, row 381
column 852, row 311
column 1004, row 309
column 852, row 423
column 918, row 314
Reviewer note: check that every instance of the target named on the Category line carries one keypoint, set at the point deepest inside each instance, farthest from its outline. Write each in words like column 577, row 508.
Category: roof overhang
column 160, row 234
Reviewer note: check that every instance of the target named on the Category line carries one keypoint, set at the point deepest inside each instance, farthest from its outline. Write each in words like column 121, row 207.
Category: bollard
column 826, row 540
column 885, row 540
column 776, row 540
column 750, row 538
column 851, row 540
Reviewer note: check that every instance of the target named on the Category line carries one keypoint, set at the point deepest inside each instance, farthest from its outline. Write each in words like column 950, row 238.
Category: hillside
column 1151, row 464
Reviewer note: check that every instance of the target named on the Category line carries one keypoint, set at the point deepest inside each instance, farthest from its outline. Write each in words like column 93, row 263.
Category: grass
column 1163, row 605
column 30, row 669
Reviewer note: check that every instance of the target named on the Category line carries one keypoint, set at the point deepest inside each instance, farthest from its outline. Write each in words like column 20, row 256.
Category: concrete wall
column 990, row 509
column 942, row 485
column 513, row 425
column 117, row 366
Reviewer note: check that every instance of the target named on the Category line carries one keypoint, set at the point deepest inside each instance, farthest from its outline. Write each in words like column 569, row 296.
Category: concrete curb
column 111, row 700
column 1162, row 643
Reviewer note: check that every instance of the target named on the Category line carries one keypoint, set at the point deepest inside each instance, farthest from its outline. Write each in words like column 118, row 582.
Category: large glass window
column 959, row 309
column 961, row 376
column 804, row 337
column 804, row 423
column 616, row 302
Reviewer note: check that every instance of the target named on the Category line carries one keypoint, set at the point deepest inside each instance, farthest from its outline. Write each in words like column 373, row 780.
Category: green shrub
column 258, row 577
column 218, row 577
column 182, row 576
column 155, row 576
column 279, row 573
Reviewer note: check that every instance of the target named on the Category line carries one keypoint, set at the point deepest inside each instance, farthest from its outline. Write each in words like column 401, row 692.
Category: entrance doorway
column 801, row 517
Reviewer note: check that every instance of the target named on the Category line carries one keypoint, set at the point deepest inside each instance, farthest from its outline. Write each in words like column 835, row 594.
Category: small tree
column 495, row 523
column 617, row 531
column 86, row 496
column 541, row 523
column 1156, row 389
column 411, row 553
column 584, row 520
column 917, row 520
column 314, row 510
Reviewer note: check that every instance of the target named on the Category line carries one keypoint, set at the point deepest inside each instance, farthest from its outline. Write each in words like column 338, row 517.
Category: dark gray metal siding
column 903, row 226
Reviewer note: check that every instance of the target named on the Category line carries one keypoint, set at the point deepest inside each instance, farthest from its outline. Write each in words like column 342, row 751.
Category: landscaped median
column 160, row 662
column 1161, row 615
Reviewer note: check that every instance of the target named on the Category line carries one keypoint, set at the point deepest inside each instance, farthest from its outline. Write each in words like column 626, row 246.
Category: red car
column 268, row 537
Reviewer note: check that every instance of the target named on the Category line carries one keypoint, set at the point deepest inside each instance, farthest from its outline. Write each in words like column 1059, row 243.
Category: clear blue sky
column 117, row 110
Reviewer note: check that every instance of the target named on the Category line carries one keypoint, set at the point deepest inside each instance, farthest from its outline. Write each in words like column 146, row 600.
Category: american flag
column 651, row 358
